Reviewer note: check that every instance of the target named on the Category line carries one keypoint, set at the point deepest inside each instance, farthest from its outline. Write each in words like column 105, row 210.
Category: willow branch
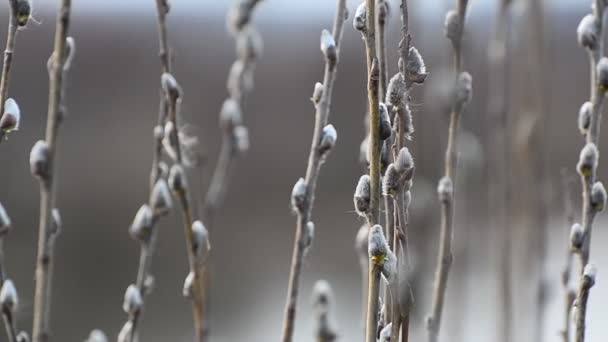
column 59, row 63
column 462, row 92
column 323, row 139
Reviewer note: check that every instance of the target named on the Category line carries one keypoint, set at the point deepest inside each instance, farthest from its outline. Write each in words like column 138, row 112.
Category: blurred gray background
column 105, row 153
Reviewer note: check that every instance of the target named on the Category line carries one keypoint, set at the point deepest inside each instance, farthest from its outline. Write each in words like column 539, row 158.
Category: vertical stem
column 445, row 257
column 11, row 38
column 44, row 261
column 313, row 168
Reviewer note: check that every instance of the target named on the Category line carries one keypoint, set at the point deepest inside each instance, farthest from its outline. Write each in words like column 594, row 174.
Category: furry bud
column 9, row 300
column 188, row 285
column 70, row 52
column 24, row 337
column 241, row 139
column 141, row 228
column 385, row 123
column 589, row 274
column 56, row 223
column 23, row 12
column 587, row 32
column 328, row 139
column 317, row 93
column 416, row 69
column 322, row 297
column 5, row 221
column 404, row 162
column 328, row 48
column 132, row 302
column 160, row 199
column 464, row 89
column 445, row 190
column 452, row 27
column 361, row 241
column 298, row 195
column 364, row 151
column 97, row 336
column 39, row 160
column 602, row 74
column 360, row 16
column 598, row 197
column 230, row 115
column 577, row 237
column 385, row 333
column 362, row 196
column 200, row 239
column 584, row 117
column 177, row 179
column 383, row 12
column 377, row 248
column 309, row 234
column 389, row 269
column 390, row 181
column 395, row 90
column 11, row 117
column 170, row 86
column 588, row 159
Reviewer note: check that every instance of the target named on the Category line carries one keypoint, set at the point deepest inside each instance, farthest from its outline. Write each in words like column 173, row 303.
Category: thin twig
column 591, row 36
column 462, row 93
column 303, row 201
column 59, row 63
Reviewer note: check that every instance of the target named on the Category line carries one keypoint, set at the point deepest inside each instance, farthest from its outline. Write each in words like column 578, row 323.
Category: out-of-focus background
column 105, row 154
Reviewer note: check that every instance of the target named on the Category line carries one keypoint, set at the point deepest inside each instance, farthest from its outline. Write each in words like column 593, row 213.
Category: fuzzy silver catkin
column 39, row 160
column 241, row 139
column 23, row 12
column 362, row 196
column 377, row 246
column 5, row 221
column 57, row 222
column 389, row 268
column 9, row 300
column 310, row 234
column 188, row 284
column 328, row 139
column 385, row 123
column 200, row 240
column 23, row 337
column 395, row 90
column 590, row 273
column 390, row 181
column 12, row 116
column 416, row 69
column 385, row 333
column 584, row 117
column 323, row 298
column 588, row 160
column 452, row 28
column 177, row 179
column 160, row 199
column 577, row 237
column 328, row 47
column 359, row 19
column 141, row 228
column 298, row 195
column 230, row 115
column 445, row 189
column 133, row 301
column 587, row 32
column 602, row 74
column 70, row 52
column 405, row 161
column 170, row 86
column 598, row 197
column 97, row 336
column 464, row 89
column 317, row 93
